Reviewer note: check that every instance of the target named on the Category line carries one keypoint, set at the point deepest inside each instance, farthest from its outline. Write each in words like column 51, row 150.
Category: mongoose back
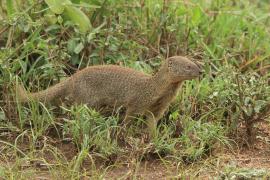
column 115, row 86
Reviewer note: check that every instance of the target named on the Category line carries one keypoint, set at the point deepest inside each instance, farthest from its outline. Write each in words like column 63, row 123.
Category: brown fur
column 115, row 86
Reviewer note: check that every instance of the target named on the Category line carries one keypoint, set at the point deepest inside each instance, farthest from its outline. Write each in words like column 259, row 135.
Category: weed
column 91, row 130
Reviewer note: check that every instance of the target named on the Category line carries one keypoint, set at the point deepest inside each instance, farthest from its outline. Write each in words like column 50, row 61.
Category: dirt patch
column 256, row 155
column 145, row 170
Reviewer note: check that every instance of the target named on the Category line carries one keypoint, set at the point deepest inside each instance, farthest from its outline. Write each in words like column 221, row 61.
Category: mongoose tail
column 55, row 92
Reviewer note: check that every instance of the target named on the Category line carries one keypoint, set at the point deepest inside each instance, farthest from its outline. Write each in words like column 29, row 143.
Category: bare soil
column 256, row 155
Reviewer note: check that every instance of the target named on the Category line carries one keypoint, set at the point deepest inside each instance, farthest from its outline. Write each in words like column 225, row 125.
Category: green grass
column 230, row 38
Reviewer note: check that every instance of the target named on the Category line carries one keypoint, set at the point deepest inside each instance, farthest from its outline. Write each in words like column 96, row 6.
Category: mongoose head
column 181, row 68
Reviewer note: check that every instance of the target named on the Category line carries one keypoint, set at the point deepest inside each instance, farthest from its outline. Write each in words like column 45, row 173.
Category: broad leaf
column 78, row 18
column 10, row 8
column 57, row 6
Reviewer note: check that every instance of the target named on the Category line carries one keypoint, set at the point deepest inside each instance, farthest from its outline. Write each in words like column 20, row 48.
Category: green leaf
column 57, row 6
column 78, row 48
column 174, row 115
column 50, row 17
column 10, row 8
column 78, row 18
column 2, row 116
column 72, row 43
column 196, row 15
column 258, row 105
column 92, row 34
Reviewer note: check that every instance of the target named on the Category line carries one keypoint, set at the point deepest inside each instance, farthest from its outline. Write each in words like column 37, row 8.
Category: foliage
column 230, row 98
column 88, row 127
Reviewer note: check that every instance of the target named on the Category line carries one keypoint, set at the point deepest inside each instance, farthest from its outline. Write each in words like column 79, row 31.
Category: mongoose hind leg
column 130, row 114
column 151, row 123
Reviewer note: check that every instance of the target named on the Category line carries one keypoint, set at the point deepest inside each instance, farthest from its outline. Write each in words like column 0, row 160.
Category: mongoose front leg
column 151, row 123
column 159, row 107
column 155, row 114
column 152, row 119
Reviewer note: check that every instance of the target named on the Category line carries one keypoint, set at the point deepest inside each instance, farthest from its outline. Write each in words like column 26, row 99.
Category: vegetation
column 42, row 42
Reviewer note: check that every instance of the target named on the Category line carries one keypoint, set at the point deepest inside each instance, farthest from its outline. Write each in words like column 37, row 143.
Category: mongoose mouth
column 190, row 77
column 183, row 78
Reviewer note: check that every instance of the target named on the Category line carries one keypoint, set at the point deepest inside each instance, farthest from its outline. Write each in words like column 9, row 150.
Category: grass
column 230, row 38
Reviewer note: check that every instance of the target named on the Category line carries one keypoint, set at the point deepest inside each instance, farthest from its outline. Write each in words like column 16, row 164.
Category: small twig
column 239, row 90
column 10, row 37
column 186, row 39
column 4, row 30
column 247, row 119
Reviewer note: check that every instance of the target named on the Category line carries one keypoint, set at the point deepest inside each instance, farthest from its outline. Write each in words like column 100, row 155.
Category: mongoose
column 115, row 86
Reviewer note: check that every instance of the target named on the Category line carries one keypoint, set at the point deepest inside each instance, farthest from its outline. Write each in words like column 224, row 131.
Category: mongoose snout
column 116, row 86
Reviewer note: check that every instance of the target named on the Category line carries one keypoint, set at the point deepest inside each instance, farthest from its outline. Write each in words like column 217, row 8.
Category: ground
column 239, row 161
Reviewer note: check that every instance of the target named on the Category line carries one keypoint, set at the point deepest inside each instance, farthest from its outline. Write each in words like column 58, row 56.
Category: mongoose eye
column 188, row 67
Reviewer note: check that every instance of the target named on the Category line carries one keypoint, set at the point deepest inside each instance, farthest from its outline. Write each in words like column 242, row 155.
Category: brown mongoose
column 115, row 86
